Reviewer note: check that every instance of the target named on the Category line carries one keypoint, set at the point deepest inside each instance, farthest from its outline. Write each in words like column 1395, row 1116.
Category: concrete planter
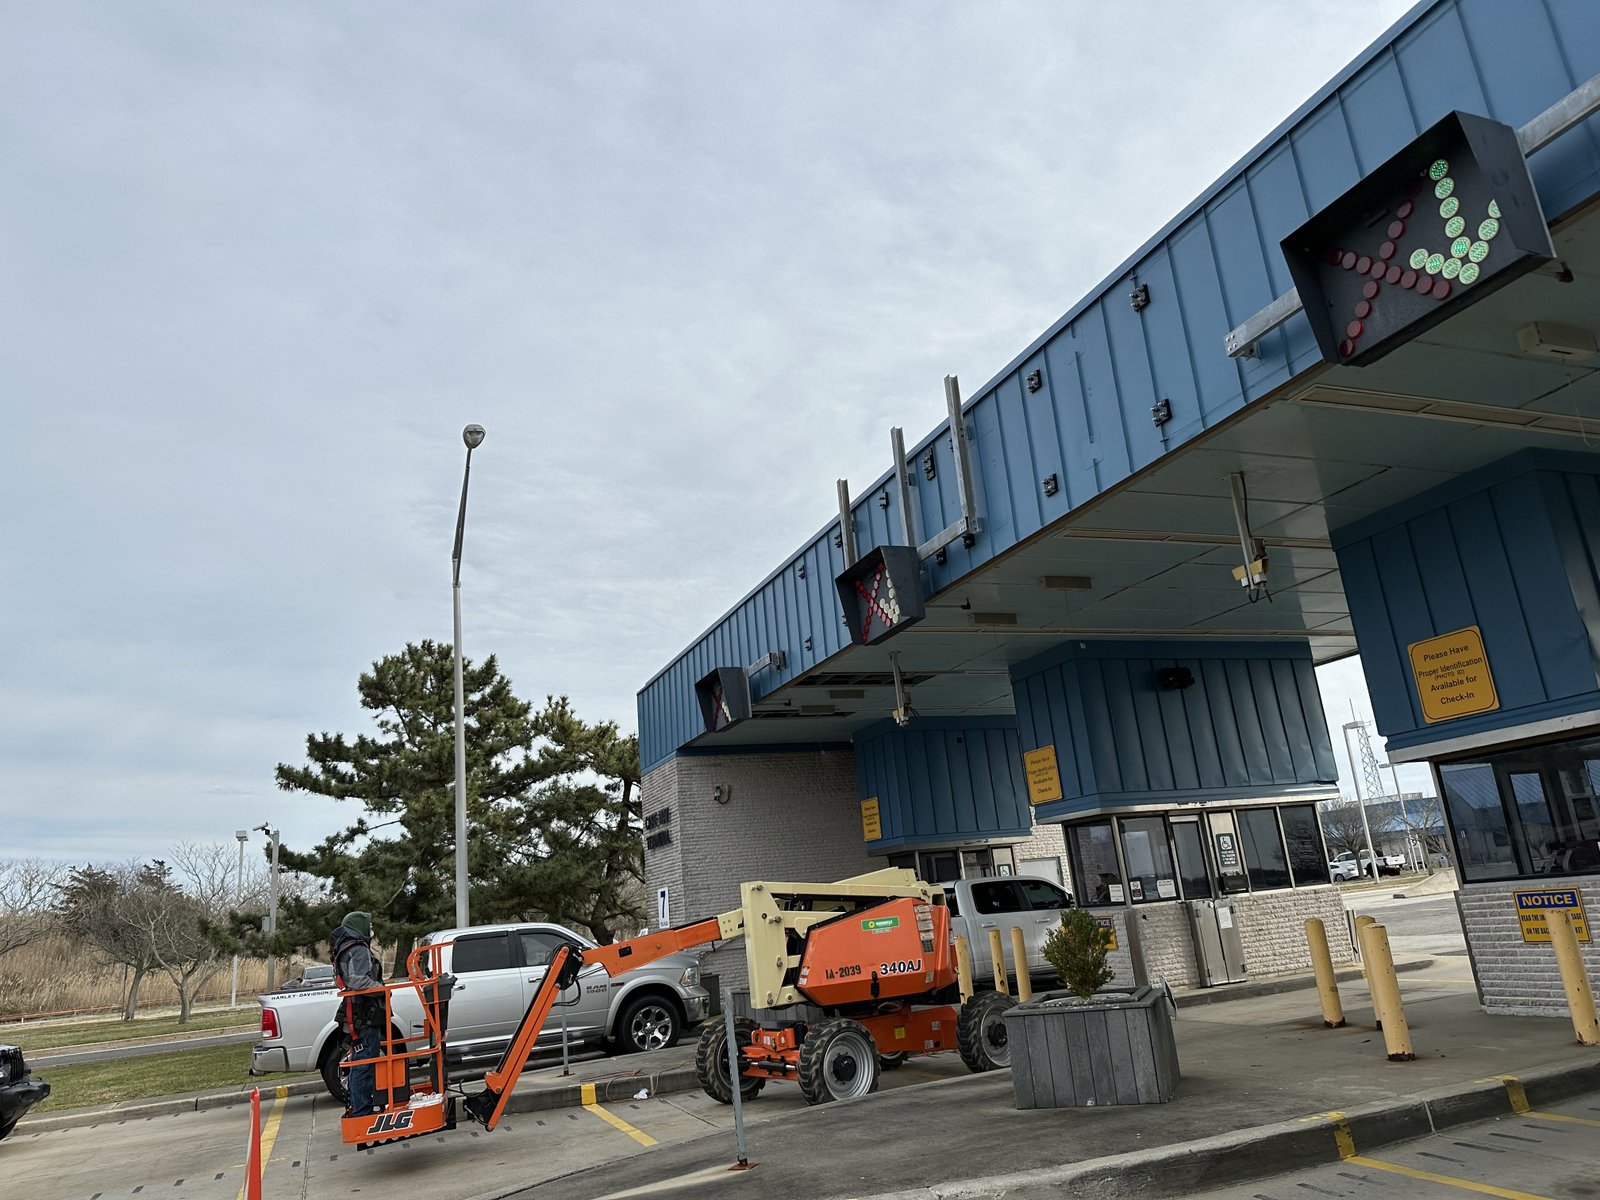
column 1072, row 1053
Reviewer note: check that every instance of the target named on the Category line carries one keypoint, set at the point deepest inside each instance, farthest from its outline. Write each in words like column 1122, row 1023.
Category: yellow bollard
column 963, row 968
column 1322, row 964
column 997, row 959
column 1363, row 923
column 1380, row 973
column 1580, row 996
column 1019, row 955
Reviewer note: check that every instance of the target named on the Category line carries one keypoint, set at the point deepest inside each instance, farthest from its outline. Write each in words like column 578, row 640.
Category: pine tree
column 397, row 860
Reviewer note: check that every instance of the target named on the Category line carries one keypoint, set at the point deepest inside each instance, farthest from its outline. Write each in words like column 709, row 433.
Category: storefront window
column 1528, row 812
column 1301, row 834
column 1094, row 864
column 1483, row 837
column 1149, row 859
column 1264, row 858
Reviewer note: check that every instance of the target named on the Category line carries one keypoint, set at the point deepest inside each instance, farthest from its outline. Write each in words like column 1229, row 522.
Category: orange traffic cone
column 252, row 1154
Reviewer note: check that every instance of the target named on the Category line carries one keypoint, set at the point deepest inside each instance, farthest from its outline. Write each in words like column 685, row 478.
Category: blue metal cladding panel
column 1104, row 366
column 1510, row 549
column 1251, row 725
column 943, row 780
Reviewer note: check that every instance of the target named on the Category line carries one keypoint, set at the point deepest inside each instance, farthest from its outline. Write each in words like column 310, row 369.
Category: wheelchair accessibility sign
column 1533, row 909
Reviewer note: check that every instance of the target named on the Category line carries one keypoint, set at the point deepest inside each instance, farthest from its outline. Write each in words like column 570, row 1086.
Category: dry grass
column 57, row 974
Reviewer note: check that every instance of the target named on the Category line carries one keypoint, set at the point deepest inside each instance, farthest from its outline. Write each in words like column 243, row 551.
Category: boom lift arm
column 488, row 1105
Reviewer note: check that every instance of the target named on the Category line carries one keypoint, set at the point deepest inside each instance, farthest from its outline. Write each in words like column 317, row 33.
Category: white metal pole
column 472, row 435
column 238, row 902
column 1355, row 783
column 272, row 916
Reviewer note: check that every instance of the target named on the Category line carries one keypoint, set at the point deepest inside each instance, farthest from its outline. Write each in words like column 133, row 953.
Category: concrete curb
column 1283, row 983
column 1243, row 1155
column 139, row 1110
column 608, row 1090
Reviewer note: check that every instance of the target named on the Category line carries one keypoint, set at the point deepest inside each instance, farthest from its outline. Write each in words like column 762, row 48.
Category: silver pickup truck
column 497, row 970
column 1001, row 903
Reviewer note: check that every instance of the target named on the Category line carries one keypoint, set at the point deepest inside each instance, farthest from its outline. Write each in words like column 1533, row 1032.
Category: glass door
column 1193, row 873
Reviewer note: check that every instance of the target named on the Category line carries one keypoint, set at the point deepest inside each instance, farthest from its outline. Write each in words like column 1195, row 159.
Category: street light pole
column 1355, row 782
column 272, row 910
column 238, row 901
column 472, row 435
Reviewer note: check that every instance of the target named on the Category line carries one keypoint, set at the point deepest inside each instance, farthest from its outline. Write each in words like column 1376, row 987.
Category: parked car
column 1004, row 902
column 1343, row 866
column 497, row 970
column 316, row 975
column 18, row 1091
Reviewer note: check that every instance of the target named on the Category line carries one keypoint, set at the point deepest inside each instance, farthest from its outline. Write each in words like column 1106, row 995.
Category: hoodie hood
column 359, row 923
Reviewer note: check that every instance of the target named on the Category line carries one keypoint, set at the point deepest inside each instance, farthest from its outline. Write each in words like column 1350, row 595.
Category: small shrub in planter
column 1082, row 1046
column 1077, row 950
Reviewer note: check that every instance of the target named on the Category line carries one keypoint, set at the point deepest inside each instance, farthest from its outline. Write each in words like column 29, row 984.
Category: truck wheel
column 981, row 1032
column 648, row 1023
column 711, row 1060
column 839, row 1061
column 332, row 1069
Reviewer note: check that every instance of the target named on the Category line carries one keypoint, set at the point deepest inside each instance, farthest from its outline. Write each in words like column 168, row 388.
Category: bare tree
column 1341, row 826
column 27, row 893
column 171, row 924
column 99, row 907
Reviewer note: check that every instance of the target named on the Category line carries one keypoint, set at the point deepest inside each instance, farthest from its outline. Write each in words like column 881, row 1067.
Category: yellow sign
column 1452, row 674
column 871, row 825
column 1533, row 909
column 1044, row 776
column 1108, row 923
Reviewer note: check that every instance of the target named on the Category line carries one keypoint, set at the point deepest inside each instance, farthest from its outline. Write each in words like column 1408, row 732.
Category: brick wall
column 781, row 816
column 1516, row 977
column 1048, row 841
column 1166, row 945
column 1272, row 928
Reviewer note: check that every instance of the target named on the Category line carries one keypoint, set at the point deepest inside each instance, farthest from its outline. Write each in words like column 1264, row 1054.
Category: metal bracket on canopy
column 967, row 526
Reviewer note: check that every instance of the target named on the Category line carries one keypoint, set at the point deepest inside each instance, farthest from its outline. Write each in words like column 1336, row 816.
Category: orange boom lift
column 872, row 952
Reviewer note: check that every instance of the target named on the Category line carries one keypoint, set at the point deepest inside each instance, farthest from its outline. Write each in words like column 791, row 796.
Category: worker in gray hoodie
column 362, row 1015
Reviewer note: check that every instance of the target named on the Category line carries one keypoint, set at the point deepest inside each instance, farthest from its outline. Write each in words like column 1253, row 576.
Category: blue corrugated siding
column 1511, row 549
column 943, row 781
column 1104, row 366
column 1251, row 725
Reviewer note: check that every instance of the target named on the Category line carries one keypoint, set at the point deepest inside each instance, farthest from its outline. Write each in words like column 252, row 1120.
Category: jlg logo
column 391, row 1122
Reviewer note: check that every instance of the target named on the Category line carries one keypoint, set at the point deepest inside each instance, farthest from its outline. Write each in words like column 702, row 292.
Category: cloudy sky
column 687, row 262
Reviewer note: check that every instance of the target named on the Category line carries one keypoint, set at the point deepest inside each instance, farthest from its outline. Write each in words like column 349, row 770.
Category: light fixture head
column 242, row 834
column 473, row 436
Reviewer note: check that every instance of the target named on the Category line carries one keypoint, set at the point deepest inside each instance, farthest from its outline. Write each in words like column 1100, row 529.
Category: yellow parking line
column 1487, row 1189
column 269, row 1132
column 611, row 1119
column 1544, row 1116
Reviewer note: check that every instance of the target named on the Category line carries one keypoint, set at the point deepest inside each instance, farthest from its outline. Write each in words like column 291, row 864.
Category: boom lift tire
column 981, row 1032
column 893, row 1062
column 711, row 1060
column 839, row 1061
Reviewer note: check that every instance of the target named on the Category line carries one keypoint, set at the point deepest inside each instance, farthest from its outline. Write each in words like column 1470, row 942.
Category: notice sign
column 871, row 823
column 1108, row 923
column 1044, row 775
column 1452, row 674
column 1533, row 910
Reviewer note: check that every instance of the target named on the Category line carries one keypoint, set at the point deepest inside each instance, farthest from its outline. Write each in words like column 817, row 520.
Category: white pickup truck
column 497, row 970
column 1004, row 902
